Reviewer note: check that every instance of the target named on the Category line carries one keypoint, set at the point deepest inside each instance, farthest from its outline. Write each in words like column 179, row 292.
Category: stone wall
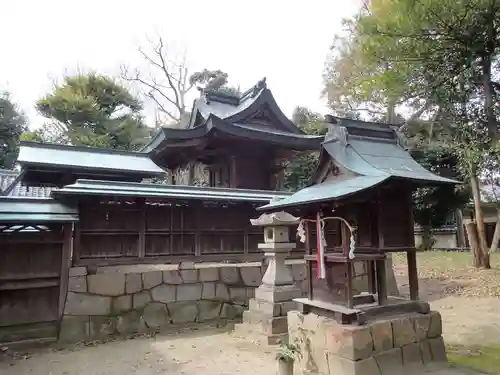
column 121, row 300
column 135, row 299
column 392, row 345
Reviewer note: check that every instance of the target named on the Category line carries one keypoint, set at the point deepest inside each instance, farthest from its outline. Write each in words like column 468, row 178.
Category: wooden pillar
column 65, row 265
column 411, row 257
column 381, row 281
column 141, row 248
column 308, row 264
column 77, row 244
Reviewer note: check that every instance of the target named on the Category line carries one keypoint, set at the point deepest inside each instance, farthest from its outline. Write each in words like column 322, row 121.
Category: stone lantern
column 267, row 314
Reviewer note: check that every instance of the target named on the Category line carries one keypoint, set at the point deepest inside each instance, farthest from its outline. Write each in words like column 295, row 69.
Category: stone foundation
column 135, row 299
column 393, row 346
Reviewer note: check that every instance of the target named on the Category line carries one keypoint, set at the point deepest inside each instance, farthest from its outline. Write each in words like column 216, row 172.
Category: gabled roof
column 130, row 189
column 237, row 116
column 51, row 160
column 371, row 152
column 374, row 149
column 240, row 108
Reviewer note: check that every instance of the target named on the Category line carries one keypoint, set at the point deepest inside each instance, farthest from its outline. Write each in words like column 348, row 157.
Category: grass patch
column 486, row 359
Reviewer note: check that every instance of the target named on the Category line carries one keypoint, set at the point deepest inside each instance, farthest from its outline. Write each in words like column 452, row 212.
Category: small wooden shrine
column 243, row 140
column 358, row 209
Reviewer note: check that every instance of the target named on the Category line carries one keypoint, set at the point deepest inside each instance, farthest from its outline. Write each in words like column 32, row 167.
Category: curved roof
column 372, row 153
column 254, row 115
column 187, row 137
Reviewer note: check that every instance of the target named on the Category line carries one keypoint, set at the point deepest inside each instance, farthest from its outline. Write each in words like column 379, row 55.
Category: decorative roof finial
column 259, row 86
column 336, row 132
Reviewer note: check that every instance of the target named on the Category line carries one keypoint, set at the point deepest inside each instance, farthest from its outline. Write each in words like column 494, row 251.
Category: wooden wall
column 114, row 231
column 32, row 277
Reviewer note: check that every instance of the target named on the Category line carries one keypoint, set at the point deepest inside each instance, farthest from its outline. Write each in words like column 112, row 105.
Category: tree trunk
column 427, row 240
column 481, row 232
column 471, row 229
column 496, row 234
column 488, row 85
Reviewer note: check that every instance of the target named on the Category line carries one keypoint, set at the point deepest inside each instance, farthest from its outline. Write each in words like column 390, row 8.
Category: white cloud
column 285, row 41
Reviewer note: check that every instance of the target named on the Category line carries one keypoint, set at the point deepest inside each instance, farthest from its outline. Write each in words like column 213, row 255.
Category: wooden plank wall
column 31, row 272
column 128, row 231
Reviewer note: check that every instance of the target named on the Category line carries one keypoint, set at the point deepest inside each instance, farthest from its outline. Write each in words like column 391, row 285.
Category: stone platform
column 409, row 343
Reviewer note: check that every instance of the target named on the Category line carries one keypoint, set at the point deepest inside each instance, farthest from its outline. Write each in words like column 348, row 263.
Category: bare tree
column 169, row 81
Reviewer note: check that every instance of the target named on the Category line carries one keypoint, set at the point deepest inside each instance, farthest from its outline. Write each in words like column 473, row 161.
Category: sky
column 285, row 41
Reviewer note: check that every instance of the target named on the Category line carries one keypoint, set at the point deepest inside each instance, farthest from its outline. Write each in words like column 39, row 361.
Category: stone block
column 353, row 343
column 208, row 291
column 438, row 350
column 155, row 315
column 265, row 308
column 238, row 295
column 281, row 293
column 87, row 304
column 183, row 312
column 151, row 279
column 230, row 275
column 435, row 325
column 77, row 271
column 131, row 322
column 251, row 276
column 343, row 366
column 231, row 312
column 425, row 351
column 275, row 325
column 133, row 283
column 421, row 324
column 288, row 306
column 102, row 326
column 382, row 336
column 298, row 272
column 209, row 310
column 121, row 304
column 403, row 331
column 77, row 284
column 163, row 293
column 390, row 362
column 189, row 292
column 411, row 354
column 189, row 276
column 186, row 265
column 141, row 299
column 106, row 284
column 172, row 277
column 221, row 292
column 209, row 274
column 74, row 328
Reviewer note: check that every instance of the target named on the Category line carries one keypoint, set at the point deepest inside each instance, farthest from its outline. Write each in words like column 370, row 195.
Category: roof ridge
column 97, row 150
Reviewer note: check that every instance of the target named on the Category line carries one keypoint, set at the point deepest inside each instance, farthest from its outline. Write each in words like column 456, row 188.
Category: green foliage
column 93, row 110
column 299, row 171
column 12, row 124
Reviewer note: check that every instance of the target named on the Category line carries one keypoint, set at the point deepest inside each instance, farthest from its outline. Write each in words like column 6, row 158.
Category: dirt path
column 205, row 352
column 466, row 320
column 208, row 352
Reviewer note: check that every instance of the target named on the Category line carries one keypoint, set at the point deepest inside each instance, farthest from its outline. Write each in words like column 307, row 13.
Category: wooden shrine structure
column 360, row 207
